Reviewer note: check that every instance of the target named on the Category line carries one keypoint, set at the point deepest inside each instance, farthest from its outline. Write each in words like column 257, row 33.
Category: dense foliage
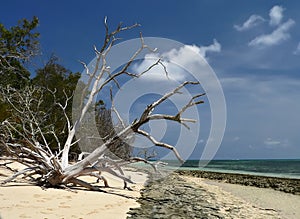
column 17, row 45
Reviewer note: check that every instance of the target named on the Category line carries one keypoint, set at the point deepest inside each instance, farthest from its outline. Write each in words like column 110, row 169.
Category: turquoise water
column 278, row 168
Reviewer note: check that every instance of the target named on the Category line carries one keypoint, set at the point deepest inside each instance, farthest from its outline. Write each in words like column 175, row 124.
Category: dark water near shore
column 277, row 168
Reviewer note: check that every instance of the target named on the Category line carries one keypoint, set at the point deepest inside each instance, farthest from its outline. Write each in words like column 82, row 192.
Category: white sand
column 20, row 200
column 25, row 201
column 288, row 205
column 251, row 202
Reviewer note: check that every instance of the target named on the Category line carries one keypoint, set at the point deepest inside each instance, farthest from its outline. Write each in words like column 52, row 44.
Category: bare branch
column 146, row 115
column 25, row 136
column 85, row 184
column 160, row 144
column 22, row 172
column 113, row 108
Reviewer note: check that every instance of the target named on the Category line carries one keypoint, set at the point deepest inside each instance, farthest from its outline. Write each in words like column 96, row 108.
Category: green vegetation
column 18, row 45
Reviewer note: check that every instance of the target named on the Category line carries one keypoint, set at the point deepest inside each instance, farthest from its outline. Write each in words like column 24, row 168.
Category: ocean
column 276, row 168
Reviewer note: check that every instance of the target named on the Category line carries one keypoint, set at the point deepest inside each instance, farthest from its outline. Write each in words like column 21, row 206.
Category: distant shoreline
column 280, row 168
column 243, row 172
column 287, row 185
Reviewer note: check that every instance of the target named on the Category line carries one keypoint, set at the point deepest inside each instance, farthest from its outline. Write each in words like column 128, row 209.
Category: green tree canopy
column 60, row 84
column 17, row 45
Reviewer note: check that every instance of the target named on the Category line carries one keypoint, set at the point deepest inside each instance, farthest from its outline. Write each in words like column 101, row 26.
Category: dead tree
column 25, row 137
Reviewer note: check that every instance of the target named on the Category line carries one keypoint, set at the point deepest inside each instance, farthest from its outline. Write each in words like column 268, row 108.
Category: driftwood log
column 25, row 137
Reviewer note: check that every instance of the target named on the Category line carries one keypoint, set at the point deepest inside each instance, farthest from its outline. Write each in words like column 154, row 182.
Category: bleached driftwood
column 25, row 137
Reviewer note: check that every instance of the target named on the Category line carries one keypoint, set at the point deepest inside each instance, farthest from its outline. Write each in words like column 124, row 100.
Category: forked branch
column 25, row 137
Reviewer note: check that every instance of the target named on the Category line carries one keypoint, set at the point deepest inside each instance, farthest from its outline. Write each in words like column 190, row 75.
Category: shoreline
column 286, row 204
column 276, row 175
column 288, row 185
column 181, row 195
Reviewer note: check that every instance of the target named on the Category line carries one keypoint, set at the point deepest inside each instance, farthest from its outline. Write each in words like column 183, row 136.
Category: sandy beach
column 186, row 196
column 22, row 200
column 172, row 196
column 253, row 202
column 286, row 204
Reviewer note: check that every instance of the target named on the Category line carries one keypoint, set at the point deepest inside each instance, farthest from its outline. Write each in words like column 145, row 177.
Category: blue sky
column 257, row 59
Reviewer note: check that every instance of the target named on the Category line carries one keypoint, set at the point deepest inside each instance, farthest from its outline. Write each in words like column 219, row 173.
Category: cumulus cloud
column 184, row 56
column 215, row 47
column 279, row 35
column 276, row 15
column 252, row 21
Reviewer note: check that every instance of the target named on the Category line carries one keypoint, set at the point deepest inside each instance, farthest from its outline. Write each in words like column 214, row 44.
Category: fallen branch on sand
column 25, row 137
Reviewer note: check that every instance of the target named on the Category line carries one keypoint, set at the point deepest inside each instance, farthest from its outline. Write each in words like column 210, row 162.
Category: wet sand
column 186, row 196
column 252, row 199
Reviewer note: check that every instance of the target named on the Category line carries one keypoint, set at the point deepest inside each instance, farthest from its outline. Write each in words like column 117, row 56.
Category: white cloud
column 297, row 51
column 252, row 21
column 279, row 35
column 271, row 142
column 184, row 57
column 215, row 47
column 276, row 15
column 186, row 54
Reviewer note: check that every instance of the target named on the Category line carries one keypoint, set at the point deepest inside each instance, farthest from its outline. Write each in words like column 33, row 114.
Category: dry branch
column 25, row 137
